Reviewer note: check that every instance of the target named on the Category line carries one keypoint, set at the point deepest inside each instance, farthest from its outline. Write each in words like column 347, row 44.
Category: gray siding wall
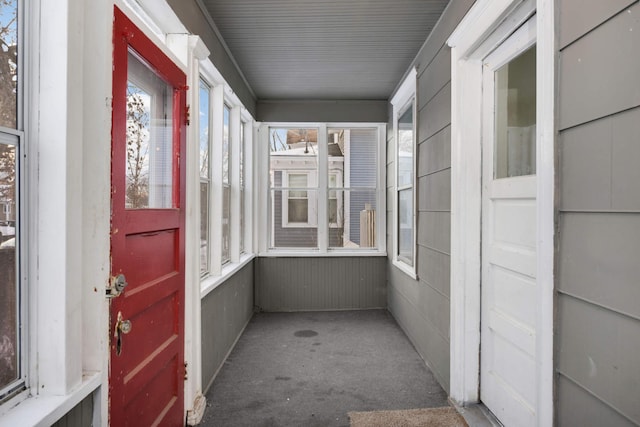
column 191, row 15
column 598, row 265
column 80, row 416
column 225, row 312
column 315, row 283
column 422, row 307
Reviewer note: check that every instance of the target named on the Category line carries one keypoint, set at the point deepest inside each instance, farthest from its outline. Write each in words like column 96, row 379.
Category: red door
column 146, row 379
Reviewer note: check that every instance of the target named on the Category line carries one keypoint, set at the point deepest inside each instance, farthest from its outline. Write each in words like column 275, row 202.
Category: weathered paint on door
column 147, row 370
column 509, row 254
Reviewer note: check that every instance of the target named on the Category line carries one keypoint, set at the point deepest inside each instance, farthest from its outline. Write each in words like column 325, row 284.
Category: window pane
column 405, row 147
column 9, row 63
column 242, row 248
column 226, row 215
column 293, row 150
column 203, row 114
column 9, row 285
column 297, row 181
column 405, row 225
column 352, row 219
column 515, row 117
column 294, row 221
column 204, row 227
column 225, row 146
column 149, row 156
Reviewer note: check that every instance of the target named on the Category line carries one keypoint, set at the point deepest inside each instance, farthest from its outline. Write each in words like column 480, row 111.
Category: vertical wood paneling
column 80, row 416
column 319, row 283
column 225, row 312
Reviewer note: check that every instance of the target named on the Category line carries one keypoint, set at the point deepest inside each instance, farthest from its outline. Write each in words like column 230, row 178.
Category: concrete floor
column 311, row 369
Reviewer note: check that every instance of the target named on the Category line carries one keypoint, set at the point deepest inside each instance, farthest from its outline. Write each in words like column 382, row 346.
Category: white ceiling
column 324, row 49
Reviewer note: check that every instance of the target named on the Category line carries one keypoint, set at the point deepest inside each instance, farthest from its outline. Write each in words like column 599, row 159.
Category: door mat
column 429, row 417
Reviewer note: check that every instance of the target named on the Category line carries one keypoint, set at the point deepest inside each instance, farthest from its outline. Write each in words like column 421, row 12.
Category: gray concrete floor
column 311, row 369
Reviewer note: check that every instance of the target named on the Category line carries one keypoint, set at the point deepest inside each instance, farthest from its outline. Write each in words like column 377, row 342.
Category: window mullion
column 323, row 183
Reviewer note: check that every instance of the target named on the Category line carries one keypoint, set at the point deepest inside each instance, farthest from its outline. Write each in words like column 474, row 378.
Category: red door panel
column 146, row 378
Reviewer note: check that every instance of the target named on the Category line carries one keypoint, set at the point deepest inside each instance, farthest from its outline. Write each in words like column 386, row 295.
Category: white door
column 508, row 313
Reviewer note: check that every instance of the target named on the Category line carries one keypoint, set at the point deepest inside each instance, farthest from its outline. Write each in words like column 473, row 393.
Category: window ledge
column 406, row 269
column 209, row 283
column 310, row 253
column 46, row 410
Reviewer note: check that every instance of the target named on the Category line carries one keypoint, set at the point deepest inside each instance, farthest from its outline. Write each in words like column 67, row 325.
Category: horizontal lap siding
column 421, row 306
column 225, row 312
column 598, row 265
column 320, row 283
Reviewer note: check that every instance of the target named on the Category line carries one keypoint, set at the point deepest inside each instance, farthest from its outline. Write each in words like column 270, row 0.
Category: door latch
column 116, row 286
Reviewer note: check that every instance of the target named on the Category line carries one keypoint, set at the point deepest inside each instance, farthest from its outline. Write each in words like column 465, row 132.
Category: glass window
column 226, row 186
column 149, row 157
column 349, row 199
column 405, row 184
column 205, row 176
column 515, row 117
column 12, row 339
column 293, row 178
column 242, row 178
column 9, row 75
column 353, row 172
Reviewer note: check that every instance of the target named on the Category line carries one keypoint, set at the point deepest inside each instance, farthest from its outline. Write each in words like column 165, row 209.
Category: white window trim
column 405, row 94
column 485, row 26
column 312, row 199
column 264, row 228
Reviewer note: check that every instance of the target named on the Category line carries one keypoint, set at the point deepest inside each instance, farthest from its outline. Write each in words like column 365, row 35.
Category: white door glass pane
column 149, row 155
column 515, row 117
column 405, row 147
column 9, row 284
column 405, row 225
column 9, row 63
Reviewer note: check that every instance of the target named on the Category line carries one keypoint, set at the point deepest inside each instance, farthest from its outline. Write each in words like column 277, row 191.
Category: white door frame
column 486, row 26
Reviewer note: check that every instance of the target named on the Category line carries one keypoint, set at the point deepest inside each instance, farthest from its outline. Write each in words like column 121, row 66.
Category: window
column 226, row 186
column 242, row 179
column 12, row 304
column 324, row 188
column 297, row 200
column 405, row 185
column 404, row 209
column 225, row 158
column 205, row 175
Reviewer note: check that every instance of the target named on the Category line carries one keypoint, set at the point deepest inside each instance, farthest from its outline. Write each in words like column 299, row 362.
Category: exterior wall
column 421, row 306
column 192, row 17
column 598, row 316
column 316, row 283
column 225, row 312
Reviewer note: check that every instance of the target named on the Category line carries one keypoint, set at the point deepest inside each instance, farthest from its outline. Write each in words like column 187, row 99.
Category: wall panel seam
column 596, row 304
column 422, row 245
column 592, row 30
column 592, row 394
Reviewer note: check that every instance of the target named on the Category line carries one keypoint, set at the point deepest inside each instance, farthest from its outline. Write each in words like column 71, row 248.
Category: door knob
column 122, row 327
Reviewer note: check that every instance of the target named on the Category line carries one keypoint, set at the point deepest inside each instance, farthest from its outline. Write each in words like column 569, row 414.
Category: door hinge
column 186, row 376
column 187, row 115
